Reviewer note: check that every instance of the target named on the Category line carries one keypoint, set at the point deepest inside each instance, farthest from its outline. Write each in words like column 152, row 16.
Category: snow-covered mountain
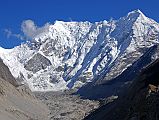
column 70, row 54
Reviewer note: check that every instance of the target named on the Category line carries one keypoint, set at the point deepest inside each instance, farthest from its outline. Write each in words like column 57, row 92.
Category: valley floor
column 65, row 106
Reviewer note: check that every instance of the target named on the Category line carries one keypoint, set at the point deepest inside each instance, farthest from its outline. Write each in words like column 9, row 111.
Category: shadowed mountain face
column 18, row 102
column 106, row 88
column 140, row 100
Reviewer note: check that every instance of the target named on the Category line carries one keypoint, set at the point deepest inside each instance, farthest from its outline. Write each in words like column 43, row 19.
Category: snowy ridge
column 80, row 52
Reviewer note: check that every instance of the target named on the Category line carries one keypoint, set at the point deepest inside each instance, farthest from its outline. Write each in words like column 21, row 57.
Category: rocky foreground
column 64, row 106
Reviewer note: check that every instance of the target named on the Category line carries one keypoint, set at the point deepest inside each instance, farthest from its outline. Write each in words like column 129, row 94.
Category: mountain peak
column 137, row 11
column 136, row 14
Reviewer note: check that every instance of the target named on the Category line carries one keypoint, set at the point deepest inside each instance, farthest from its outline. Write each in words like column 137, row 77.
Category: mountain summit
column 70, row 54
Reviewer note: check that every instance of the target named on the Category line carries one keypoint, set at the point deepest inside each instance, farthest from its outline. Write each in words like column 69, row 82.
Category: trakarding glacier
column 71, row 54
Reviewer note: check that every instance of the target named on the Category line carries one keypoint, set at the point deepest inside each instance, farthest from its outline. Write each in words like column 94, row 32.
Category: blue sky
column 14, row 12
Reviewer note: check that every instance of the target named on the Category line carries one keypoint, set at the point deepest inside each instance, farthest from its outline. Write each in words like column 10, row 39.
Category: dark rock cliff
column 37, row 62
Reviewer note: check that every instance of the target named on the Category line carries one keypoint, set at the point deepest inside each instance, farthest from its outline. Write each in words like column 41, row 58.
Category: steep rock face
column 18, row 102
column 82, row 52
column 138, row 102
column 36, row 63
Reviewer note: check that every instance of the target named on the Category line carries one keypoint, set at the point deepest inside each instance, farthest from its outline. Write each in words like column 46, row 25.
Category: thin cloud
column 9, row 34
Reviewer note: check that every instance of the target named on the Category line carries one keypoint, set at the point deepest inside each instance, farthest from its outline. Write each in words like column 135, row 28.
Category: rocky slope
column 140, row 101
column 16, row 101
column 70, row 54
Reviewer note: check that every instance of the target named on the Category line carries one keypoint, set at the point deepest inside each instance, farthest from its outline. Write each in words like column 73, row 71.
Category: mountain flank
column 17, row 101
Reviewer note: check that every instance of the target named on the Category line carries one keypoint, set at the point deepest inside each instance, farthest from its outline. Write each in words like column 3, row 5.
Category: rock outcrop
column 36, row 63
